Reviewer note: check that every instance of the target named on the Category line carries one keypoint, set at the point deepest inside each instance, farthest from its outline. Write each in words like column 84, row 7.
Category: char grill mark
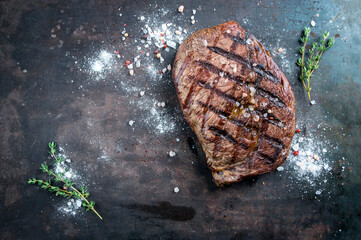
column 275, row 121
column 183, row 67
column 274, row 141
column 266, row 158
column 236, row 39
column 240, row 80
column 217, row 91
column 259, row 69
column 225, row 115
column 225, row 135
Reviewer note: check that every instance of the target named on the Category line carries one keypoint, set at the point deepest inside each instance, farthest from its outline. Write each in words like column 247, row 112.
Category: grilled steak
column 236, row 100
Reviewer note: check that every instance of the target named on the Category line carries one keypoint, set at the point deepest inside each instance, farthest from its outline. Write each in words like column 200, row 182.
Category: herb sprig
column 68, row 191
column 308, row 66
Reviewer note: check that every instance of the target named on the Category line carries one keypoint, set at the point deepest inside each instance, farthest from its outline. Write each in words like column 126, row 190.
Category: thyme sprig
column 310, row 64
column 68, row 191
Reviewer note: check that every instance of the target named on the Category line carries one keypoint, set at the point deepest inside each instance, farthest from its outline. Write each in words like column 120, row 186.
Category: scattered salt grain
column 313, row 102
column 171, row 154
column 313, row 23
column 171, row 44
column 131, row 72
column 141, row 93
column 176, row 189
column 25, row 71
column 252, row 90
column 280, row 50
column 316, row 157
column 318, row 192
column 193, row 22
column 280, row 168
column 181, row 8
column 194, row 11
column 169, row 67
column 177, row 32
column 131, row 122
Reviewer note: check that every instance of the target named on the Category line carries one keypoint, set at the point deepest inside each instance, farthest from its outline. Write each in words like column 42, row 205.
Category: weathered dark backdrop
column 45, row 95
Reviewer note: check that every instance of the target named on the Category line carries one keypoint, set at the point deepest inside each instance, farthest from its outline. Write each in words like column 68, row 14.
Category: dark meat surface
column 236, row 100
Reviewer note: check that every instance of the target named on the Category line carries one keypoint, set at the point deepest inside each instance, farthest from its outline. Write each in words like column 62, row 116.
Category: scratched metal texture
column 133, row 187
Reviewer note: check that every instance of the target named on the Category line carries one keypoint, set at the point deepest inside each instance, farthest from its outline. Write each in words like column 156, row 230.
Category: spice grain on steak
column 236, row 100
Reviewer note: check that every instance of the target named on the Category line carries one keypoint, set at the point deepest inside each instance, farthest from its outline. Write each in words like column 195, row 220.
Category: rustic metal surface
column 133, row 186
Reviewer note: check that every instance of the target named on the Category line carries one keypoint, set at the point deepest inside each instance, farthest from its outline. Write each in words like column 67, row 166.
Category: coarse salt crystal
column 313, row 102
column 318, row 192
column 280, row 168
column 177, row 32
column 313, row 23
column 194, row 11
column 171, row 44
column 131, row 72
column 193, row 21
column 316, row 157
column 171, row 154
column 176, row 189
column 252, row 90
column 237, row 104
column 131, row 122
column 280, row 50
column 192, row 17
column 181, row 8
column 141, row 93
column 246, row 115
column 169, row 67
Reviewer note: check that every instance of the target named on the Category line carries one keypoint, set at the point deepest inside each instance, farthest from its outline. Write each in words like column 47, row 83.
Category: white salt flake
column 318, row 192
column 131, row 122
column 280, row 168
column 176, row 189
column 313, row 23
column 181, row 8
column 141, row 93
column 171, row 44
column 171, row 154
column 194, row 11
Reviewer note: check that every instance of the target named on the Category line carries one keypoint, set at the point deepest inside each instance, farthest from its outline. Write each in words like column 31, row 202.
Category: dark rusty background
column 133, row 188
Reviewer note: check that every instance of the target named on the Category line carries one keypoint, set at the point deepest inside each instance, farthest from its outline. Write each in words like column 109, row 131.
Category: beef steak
column 236, row 100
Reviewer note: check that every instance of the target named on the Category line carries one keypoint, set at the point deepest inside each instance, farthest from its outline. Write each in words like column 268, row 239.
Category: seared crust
column 237, row 101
